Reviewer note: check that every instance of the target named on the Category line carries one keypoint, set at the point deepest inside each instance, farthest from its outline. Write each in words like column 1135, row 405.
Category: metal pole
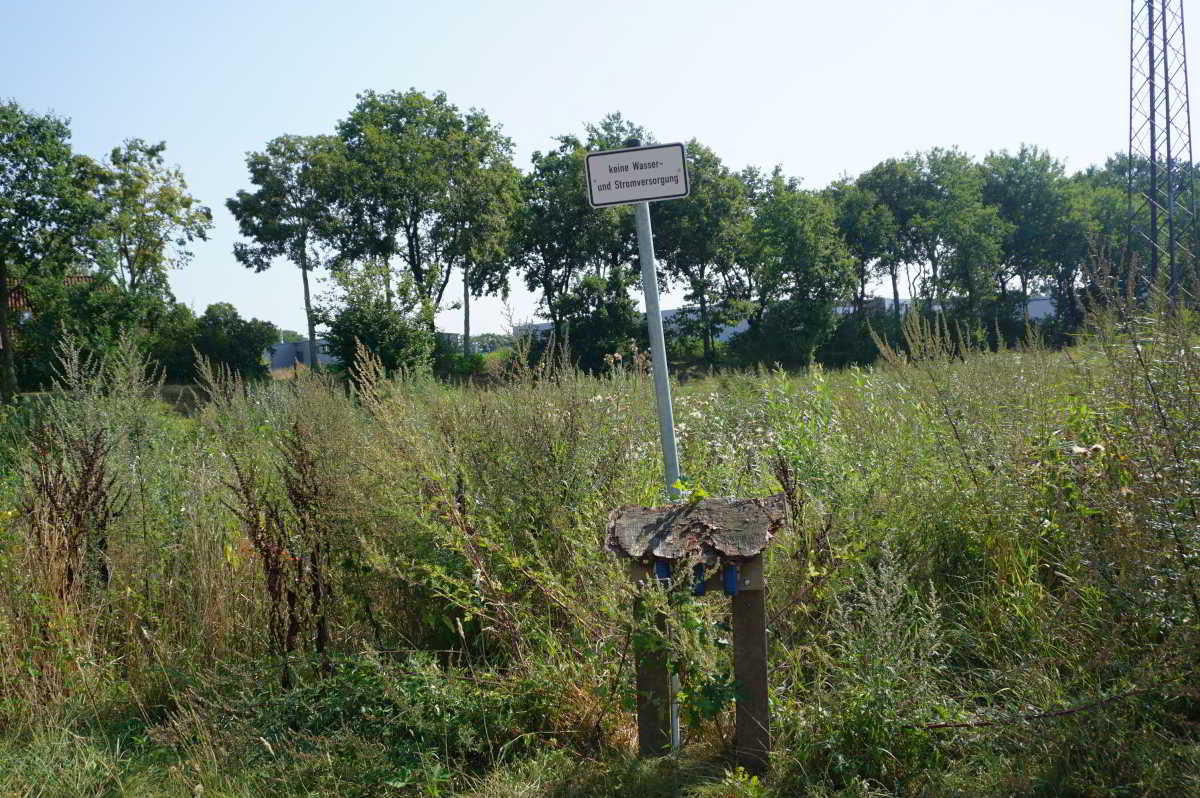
column 662, row 393
column 1191, row 171
column 1153, row 62
column 658, row 349
column 1171, row 168
column 1132, row 227
column 1191, row 167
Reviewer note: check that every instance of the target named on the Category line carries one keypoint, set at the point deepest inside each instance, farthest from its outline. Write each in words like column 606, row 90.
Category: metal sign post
column 658, row 349
column 637, row 176
column 662, row 393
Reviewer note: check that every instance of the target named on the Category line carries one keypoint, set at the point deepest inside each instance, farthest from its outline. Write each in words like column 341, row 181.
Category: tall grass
column 988, row 586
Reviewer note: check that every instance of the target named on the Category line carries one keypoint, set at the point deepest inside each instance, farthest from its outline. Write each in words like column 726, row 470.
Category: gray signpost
column 730, row 533
column 658, row 349
column 637, row 175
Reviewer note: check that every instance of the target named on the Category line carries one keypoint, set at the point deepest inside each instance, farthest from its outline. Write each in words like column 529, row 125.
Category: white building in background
column 1039, row 308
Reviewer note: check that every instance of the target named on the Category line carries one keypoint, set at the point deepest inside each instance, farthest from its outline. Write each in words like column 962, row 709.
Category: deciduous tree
column 224, row 336
column 801, row 267
column 290, row 214
column 945, row 232
column 558, row 237
column 1029, row 189
column 475, row 228
column 150, row 218
column 415, row 166
column 698, row 238
column 48, row 211
column 869, row 230
column 358, row 311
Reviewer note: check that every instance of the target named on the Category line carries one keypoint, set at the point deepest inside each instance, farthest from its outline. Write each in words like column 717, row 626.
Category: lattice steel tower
column 1162, row 199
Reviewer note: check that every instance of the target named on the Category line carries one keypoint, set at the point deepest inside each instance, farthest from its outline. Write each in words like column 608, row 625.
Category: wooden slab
column 710, row 529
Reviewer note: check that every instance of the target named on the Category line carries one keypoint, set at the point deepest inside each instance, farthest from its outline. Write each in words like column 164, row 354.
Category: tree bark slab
column 708, row 530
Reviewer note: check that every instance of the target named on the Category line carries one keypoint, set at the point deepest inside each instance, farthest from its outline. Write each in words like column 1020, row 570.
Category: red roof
column 18, row 300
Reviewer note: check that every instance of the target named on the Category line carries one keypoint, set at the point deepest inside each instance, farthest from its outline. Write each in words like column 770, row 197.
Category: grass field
column 987, row 587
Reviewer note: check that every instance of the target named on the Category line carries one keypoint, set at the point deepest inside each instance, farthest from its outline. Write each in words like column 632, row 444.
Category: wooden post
column 752, row 730
column 653, row 681
column 710, row 531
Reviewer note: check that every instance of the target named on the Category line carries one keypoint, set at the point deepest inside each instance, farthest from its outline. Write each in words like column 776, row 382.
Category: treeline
column 85, row 250
column 408, row 190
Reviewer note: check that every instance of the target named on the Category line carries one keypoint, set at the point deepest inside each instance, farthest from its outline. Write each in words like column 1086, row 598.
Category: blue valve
column 729, row 578
column 662, row 571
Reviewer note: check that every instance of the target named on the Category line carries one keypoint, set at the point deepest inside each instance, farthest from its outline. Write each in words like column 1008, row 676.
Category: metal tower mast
column 1162, row 199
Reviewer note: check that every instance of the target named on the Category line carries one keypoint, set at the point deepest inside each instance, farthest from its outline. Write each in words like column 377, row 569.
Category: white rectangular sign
column 636, row 174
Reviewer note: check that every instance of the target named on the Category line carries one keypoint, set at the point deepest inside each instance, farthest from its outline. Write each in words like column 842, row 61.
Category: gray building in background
column 286, row 354
column 1039, row 308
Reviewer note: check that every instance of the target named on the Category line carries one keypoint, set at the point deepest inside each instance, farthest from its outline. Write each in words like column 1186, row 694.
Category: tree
column 895, row 186
column 397, row 329
column 289, row 215
column 224, row 336
column 150, row 219
column 475, row 229
column 425, row 183
column 171, row 343
column 558, row 238
column 47, row 211
column 869, row 230
column 698, row 238
column 944, row 229
column 601, row 319
column 91, row 309
column 962, row 231
column 1122, row 244
column 1029, row 190
column 799, row 268
column 1092, row 241
column 1144, row 260
column 101, row 271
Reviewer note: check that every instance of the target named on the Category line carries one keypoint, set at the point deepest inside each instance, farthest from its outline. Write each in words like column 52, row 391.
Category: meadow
column 987, row 584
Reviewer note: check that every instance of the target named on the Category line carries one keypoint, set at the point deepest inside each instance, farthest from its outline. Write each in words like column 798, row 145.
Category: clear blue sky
column 822, row 88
